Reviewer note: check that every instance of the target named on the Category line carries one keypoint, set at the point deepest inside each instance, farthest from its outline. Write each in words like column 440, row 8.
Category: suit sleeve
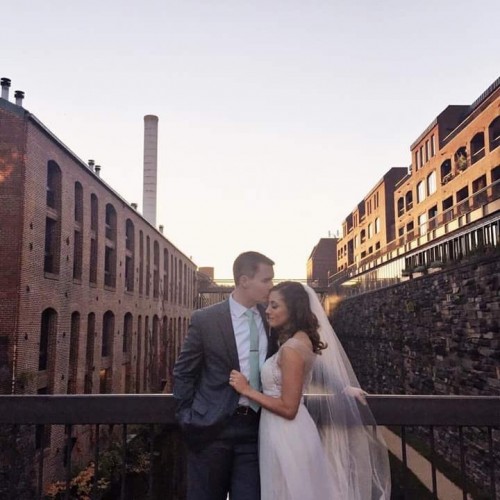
column 188, row 368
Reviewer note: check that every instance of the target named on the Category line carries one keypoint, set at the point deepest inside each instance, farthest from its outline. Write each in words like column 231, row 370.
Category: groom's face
column 257, row 287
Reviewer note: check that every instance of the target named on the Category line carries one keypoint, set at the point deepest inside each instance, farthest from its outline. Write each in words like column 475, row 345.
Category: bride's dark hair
column 301, row 316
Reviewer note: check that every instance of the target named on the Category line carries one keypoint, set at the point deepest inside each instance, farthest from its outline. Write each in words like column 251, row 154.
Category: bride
column 329, row 449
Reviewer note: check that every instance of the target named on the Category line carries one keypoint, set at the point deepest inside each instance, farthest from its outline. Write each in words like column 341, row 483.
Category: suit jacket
column 205, row 400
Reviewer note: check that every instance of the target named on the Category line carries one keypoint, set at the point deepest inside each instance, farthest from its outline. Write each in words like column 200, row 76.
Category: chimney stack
column 97, row 170
column 161, row 228
column 150, row 168
column 91, row 164
column 5, row 82
column 134, row 206
column 19, row 95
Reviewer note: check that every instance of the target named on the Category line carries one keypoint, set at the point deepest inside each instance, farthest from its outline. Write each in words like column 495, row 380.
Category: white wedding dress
column 293, row 463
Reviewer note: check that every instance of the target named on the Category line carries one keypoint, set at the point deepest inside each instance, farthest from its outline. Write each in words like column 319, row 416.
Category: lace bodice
column 271, row 371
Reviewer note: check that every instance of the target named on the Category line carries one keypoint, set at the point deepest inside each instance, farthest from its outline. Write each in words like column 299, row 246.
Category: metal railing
column 402, row 411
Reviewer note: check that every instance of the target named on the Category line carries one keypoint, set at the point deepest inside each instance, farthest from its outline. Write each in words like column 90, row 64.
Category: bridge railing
column 123, row 411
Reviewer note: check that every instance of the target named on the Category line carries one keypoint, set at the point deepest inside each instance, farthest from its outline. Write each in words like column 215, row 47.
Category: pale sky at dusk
column 275, row 117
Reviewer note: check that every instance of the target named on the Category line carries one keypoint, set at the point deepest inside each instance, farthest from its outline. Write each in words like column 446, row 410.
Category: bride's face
column 277, row 312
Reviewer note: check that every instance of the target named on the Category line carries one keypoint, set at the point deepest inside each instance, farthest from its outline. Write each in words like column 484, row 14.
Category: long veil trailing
column 357, row 453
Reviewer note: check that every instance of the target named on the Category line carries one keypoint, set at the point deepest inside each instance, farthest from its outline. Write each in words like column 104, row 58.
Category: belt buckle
column 243, row 410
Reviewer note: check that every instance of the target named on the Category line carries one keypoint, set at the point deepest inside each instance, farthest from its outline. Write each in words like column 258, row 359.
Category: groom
column 220, row 428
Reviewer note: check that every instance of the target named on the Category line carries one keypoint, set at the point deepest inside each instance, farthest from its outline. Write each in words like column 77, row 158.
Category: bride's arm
column 287, row 404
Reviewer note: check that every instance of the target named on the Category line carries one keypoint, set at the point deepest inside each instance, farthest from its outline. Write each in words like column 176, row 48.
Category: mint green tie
column 254, row 377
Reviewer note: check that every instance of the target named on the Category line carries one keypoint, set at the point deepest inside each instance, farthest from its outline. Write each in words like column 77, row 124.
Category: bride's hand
column 238, row 382
column 357, row 393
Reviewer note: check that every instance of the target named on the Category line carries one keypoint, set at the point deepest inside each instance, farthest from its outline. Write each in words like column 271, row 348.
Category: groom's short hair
column 247, row 263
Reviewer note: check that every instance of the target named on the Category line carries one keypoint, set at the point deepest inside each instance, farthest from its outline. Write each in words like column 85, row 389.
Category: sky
column 276, row 117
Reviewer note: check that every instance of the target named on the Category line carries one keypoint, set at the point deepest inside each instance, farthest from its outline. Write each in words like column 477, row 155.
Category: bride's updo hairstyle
column 301, row 318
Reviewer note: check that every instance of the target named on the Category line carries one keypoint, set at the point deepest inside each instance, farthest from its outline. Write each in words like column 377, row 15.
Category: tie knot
column 249, row 313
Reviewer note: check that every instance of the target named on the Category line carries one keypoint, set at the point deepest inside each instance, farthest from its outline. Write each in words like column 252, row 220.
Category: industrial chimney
column 150, row 168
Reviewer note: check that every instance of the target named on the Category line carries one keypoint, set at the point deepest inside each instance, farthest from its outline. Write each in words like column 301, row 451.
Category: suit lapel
column 227, row 332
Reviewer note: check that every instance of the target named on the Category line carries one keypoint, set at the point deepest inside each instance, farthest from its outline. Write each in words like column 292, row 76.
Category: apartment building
column 322, row 262
column 440, row 209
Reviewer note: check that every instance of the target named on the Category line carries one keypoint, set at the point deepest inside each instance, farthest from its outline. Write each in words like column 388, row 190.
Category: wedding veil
column 357, row 453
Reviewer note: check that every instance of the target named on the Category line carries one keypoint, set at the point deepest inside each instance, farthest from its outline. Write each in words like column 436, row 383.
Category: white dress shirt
column 242, row 336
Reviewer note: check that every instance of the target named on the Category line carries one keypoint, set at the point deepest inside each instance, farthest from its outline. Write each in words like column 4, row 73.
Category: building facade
column 445, row 206
column 94, row 299
column 322, row 262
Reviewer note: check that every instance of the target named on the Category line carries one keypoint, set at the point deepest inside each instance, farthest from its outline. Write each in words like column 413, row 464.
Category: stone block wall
column 438, row 334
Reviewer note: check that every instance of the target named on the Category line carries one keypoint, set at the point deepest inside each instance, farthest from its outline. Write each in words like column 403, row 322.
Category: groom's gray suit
column 206, row 403
column 201, row 374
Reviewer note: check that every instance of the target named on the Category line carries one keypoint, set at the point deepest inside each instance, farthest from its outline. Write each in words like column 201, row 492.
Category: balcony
column 117, row 413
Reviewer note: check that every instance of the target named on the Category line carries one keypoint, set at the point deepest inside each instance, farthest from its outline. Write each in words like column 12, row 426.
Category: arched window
column 141, row 262
column 108, row 332
column 148, row 264
column 494, row 133
column 401, row 206
column 420, row 191
column 110, row 247
column 74, row 342
column 461, row 160
column 165, row 274
column 477, row 147
column 53, row 219
column 77, row 233
column 94, row 223
column 445, row 170
column 129, row 255
column 48, row 333
column 89, row 354
column 409, row 200
column 156, row 270
column 431, row 183
column 127, row 332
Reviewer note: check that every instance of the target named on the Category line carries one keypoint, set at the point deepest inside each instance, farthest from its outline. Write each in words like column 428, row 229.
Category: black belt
column 244, row 410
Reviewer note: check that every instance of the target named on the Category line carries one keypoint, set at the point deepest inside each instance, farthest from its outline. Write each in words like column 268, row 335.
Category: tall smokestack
column 150, row 168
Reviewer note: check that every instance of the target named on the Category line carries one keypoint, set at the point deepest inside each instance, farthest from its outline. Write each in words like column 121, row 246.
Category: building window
column 409, row 200
column 94, row 213
column 477, row 147
column 433, row 146
column 431, row 183
column 48, row 334
column 77, row 234
column 108, row 331
column 432, row 215
column 89, row 354
column 377, row 225
column 73, row 352
column 156, row 270
column 52, row 246
column 127, row 332
column 148, row 264
column 461, row 160
column 129, row 255
column 420, row 191
column 427, row 150
column 494, row 133
column 110, row 248
column 165, row 274
column 422, row 224
column 446, row 173
column 53, row 186
column 141, row 262
column 370, row 230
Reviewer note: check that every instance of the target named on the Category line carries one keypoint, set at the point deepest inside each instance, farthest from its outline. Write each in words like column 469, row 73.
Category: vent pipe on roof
column 97, row 170
column 5, row 82
column 91, row 164
column 134, row 206
column 19, row 95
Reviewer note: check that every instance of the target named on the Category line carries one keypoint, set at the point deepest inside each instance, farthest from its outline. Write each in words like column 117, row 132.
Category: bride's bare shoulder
column 303, row 338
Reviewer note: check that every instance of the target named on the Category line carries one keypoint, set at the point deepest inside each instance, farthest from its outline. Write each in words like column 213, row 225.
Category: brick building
column 93, row 298
column 445, row 206
column 322, row 262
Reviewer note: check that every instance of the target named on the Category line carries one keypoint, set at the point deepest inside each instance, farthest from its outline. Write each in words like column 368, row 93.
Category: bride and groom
column 249, row 434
